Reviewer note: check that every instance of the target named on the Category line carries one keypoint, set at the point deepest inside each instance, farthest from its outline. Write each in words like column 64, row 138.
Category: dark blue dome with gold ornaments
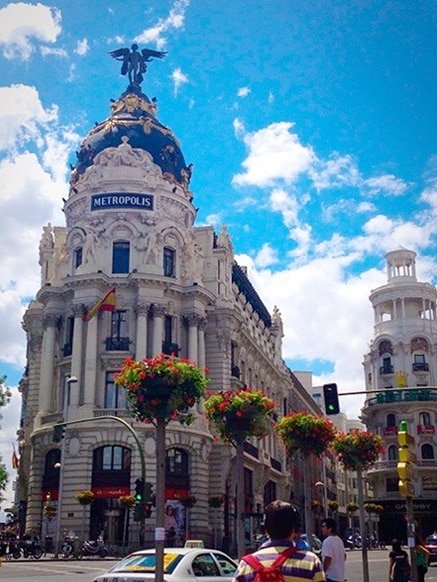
column 133, row 116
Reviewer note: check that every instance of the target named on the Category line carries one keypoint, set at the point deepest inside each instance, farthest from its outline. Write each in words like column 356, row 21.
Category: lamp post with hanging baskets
column 160, row 390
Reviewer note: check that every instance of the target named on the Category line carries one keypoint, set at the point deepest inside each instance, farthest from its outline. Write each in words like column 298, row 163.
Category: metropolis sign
column 122, row 200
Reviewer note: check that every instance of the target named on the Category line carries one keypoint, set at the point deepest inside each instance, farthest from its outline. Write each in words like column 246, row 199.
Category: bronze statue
column 134, row 62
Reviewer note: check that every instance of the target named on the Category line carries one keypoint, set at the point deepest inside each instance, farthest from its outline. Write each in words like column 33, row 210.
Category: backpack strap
column 258, row 566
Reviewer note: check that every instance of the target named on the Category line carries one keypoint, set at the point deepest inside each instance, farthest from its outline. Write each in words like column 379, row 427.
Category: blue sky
column 312, row 130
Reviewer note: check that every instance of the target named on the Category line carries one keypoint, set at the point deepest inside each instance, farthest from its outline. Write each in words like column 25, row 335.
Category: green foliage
column 305, row 434
column 358, row 449
column 238, row 415
column 163, row 387
column 5, row 396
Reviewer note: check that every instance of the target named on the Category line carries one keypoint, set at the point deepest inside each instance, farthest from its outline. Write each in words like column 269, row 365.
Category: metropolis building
column 130, row 227
column 403, row 353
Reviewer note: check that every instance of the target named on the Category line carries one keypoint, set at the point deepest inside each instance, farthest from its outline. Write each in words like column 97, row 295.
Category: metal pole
column 362, row 525
column 65, row 396
column 160, row 499
column 411, row 538
column 325, row 486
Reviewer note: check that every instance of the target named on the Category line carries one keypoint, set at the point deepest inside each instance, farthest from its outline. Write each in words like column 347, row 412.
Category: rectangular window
column 120, row 257
column 77, row 258
column 115, row 395
column 118, row 339
column 169, row 262
column 69, row 332
column 168, row 329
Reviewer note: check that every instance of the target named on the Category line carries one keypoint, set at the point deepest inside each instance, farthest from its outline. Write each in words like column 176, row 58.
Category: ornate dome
column 134, row 116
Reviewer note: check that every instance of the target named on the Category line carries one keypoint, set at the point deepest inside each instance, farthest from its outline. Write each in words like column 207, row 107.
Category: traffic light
column 139, row 491
column 407, row 460
column 330, row 396
column 58, row 433
column 148, row 492
column 148, row 510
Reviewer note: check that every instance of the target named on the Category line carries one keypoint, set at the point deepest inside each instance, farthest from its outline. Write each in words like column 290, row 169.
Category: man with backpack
column 278, row 559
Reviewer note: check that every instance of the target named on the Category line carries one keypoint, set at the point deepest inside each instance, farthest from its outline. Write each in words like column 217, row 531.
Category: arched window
column 111, row 466
column 427, row 451
column 392, row 453
column 425, row 419
column 391, row 420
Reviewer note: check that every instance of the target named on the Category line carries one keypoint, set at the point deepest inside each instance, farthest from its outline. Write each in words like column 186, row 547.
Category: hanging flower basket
column 163, row 387
column 85, row 497
column 189, row 501
column 352, row 507
column 127, row 501
column 237, row 415
column 306, row 434
column 216, row 501
column 358, row 450
column 373, row 508
column 333, row 505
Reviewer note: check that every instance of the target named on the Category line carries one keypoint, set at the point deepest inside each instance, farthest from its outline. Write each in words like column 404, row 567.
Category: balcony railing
column 420, row 367
column 422, row 429
column 117, row 344
column 392, row 465
column 120, row 412
column 387, row 369
column 390, row 396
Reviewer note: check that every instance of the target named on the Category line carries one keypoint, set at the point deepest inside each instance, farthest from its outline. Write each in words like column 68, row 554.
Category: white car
column 180, row 565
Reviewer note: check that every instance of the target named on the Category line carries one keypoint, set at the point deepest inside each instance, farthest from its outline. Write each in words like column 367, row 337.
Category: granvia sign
column 122, row 200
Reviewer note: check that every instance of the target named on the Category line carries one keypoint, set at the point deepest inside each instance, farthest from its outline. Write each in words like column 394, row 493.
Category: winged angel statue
column 134, row 62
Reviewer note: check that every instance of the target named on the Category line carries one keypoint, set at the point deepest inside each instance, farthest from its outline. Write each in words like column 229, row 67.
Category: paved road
column 85, row 570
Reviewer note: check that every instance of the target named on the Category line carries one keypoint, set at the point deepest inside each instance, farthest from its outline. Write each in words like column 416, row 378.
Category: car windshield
column 432, row 540
column 146, row 563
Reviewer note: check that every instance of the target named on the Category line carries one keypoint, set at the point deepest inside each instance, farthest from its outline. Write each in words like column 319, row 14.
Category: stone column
column 47, row 380
column 158, row 312
column 192, row 322
column 90, row 377
column 201, row 342
column 142, row 310
column 76, row 354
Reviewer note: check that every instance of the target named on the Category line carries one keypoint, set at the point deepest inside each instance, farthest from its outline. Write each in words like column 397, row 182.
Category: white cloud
column 47, row 51
column 179, row 79
column 82, row 47
column 174, row 20
column 266, row 256
column 338, row 171
column 22, row 117
column 388, row 184
column 243, row 92
column 274, row 155
column 22, row 23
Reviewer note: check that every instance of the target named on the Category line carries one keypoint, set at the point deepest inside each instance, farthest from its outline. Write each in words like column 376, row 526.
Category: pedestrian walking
column 282, row 523
column 399, row 569
column 333, row 552
column 422, row 557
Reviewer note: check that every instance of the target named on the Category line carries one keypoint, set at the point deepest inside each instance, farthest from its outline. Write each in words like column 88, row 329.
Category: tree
column 5, row 396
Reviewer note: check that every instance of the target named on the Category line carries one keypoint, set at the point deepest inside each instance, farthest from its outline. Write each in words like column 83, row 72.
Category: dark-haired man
column 333, row 553
column 282, row 523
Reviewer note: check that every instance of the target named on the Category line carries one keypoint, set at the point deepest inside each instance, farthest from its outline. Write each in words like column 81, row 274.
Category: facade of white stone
column 403, row 354
column 130, row 227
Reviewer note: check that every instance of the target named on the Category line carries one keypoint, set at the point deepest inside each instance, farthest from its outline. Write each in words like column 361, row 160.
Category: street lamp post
column 65, row 393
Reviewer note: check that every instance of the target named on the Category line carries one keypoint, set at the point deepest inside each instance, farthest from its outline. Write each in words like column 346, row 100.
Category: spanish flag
column 105, row 304
column 15, row 459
